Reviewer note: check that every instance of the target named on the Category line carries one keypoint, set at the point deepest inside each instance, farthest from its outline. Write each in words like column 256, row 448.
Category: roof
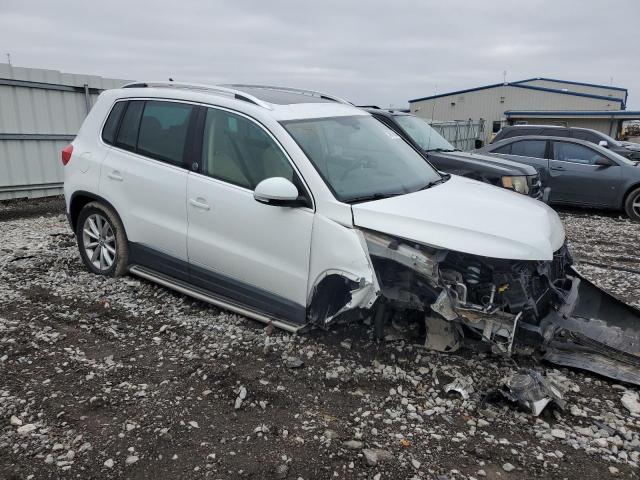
column 519, row 84
column 279, row 103
column 573, row 113
column 570, row 82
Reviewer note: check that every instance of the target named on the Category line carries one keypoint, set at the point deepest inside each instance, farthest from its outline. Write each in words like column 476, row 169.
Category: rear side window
column 585, row 135
column 111, row 125
column 128, row 133
column 572, row 152
column 163, row 130
column 238, row 151
column 529, row 148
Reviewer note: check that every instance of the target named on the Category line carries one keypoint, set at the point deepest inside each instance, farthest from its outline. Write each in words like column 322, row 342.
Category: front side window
column 163, row 130
column 572, row 152
column 505, row 149
column 529, row 148
column 423, row 134
column 360, row 159
column 238, row 151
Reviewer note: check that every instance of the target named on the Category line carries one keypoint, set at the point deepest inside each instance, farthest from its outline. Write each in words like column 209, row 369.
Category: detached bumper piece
column 602, row 335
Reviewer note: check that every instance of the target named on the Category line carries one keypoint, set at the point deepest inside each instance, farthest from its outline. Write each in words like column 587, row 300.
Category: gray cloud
column 367, row 51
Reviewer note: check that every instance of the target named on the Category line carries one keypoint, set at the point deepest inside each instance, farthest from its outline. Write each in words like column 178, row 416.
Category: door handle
column 115, row 175
column 557, row 168
column 199, row 203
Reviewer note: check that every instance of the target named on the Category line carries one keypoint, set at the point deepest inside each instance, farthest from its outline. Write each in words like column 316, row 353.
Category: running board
column 218, row 301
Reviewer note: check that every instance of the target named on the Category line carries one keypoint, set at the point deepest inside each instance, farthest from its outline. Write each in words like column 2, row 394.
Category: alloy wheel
column 635, row 205
column 99, row 241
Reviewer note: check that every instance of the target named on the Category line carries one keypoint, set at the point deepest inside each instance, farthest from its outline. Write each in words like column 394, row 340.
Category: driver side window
column 238, row 151
column 575, row 153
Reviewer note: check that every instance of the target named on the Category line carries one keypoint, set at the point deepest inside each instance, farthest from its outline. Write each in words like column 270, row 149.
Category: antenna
column 504, row 76
column 433, row 110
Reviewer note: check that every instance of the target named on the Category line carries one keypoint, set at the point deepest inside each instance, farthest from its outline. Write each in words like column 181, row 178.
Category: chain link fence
column 460, row 133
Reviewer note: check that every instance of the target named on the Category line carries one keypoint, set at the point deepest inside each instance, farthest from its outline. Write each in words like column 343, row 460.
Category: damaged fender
column 341, row 275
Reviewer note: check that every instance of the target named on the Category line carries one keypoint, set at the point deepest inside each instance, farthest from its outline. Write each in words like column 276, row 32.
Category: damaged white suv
column 296, row 208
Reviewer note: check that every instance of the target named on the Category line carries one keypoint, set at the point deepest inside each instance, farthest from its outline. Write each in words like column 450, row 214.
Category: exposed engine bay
column 497, row 304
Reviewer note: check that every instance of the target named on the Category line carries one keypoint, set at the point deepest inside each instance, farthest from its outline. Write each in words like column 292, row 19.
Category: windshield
column 422, row 133
column 360, row 159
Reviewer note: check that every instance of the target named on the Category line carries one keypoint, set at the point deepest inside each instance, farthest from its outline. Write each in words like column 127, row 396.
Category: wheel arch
column 627, row 192
column 81, row 198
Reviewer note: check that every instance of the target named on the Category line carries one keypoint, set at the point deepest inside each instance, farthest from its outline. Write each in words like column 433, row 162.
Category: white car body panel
column 150, row 197
column 259, row 245
column 350, row 261
column 468, row 216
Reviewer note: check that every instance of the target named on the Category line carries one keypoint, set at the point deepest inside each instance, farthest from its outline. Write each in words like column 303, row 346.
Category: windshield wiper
column 373, row 196
column 441, row 150
column 433, row 183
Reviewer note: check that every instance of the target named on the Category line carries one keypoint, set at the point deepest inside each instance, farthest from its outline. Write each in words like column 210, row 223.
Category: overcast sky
column 370, row 52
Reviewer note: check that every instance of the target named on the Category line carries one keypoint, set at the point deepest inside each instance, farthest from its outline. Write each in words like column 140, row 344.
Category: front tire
column 632, row 205
column 102, row 241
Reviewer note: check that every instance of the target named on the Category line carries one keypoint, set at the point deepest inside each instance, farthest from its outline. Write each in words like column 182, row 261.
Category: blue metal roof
column 518, row 85
column 575, row 113
column 569, row 82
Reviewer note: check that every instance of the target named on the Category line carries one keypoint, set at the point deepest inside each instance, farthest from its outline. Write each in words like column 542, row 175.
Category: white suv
column 296, row 208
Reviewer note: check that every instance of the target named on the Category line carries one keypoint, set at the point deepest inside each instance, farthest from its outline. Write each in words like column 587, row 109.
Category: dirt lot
column 104, row 378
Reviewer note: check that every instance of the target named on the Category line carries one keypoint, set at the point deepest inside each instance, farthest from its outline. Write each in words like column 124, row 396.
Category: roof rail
column 219, row 89
column 290, row 90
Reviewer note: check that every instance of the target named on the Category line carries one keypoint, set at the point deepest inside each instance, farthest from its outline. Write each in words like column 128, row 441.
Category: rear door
column 244, row 250
column 144, row 178
column 576, row 179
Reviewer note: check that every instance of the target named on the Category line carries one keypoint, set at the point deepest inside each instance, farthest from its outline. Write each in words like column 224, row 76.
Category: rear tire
column 632, row 205
column 102, row 241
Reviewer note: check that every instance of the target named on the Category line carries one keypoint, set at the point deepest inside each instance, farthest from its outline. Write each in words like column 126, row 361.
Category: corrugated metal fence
column 40, row 112
column 460, row 133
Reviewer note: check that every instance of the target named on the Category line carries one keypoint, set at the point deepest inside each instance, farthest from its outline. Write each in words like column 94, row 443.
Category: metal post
column 87, row 98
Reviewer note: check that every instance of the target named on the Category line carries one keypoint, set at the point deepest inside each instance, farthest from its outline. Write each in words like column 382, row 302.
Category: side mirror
column 277, row 191
column 603, row 143
column 604, row 162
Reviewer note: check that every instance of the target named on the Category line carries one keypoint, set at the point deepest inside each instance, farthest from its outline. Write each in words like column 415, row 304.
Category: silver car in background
column 578, row 172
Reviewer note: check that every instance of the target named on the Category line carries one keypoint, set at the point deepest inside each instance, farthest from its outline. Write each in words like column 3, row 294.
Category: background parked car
column 446, row 158
column 578, row 172
column 626, row 149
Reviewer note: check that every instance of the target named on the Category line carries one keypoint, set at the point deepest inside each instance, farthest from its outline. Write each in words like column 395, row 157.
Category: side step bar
column 185, row 288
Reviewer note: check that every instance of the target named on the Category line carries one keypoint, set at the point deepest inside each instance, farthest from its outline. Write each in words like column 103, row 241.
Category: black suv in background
column 441, row 154
column 630, row 151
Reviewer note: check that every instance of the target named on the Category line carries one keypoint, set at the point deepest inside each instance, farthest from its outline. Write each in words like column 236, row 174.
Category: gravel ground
column 119, row 378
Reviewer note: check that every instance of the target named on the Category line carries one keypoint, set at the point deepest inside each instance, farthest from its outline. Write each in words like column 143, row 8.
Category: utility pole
column 9, row 59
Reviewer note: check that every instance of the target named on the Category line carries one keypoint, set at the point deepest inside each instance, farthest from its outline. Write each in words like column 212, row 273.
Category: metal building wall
column 490, row 104
column 40, row 113
column 573, row 87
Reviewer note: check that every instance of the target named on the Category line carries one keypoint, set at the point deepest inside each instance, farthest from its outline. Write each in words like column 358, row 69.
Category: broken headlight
column 517, row 183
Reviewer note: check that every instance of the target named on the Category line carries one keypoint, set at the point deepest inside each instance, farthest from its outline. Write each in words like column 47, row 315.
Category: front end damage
column 502, row 305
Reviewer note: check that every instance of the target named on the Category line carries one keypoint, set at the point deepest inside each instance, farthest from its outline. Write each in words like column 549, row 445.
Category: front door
column 247, row 251
column 575, row 178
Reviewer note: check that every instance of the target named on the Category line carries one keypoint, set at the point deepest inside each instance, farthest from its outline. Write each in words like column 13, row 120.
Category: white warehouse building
column 533, row 101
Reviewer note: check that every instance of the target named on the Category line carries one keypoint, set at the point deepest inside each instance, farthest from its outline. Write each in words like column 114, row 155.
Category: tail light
column 66, row 154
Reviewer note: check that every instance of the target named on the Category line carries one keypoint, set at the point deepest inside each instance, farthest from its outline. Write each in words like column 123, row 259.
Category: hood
column 468, row 216
column 495, row 163
column 631, row 146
